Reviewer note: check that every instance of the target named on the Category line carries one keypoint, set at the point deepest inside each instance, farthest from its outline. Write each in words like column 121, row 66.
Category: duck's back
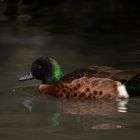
column 101, row 72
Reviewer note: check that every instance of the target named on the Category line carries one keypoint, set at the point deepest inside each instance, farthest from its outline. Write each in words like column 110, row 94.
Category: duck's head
column 44, row 69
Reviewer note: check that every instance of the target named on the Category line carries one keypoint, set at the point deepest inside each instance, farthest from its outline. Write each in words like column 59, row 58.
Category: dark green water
column 25, row 115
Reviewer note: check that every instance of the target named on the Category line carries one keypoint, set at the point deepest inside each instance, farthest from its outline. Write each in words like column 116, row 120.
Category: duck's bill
column 26, row 77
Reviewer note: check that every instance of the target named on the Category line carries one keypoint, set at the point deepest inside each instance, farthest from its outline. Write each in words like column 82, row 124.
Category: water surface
column 26, row 115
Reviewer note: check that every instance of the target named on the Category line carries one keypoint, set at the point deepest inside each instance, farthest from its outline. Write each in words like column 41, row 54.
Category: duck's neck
column 56, row 73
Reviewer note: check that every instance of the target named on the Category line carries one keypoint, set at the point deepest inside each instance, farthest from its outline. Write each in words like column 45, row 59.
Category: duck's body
column 93, row 83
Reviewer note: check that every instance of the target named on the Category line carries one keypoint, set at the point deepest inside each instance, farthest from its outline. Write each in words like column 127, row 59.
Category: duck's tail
column 133, row 86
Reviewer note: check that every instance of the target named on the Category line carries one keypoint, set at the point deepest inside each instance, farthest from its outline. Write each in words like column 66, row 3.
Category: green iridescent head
column 56, row 70
column 45, row 69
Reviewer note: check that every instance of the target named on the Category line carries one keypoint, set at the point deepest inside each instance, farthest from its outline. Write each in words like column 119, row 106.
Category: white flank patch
column 122, row 91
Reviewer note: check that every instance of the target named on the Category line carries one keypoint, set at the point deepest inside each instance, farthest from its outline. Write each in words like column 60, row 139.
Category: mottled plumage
column 92, row 83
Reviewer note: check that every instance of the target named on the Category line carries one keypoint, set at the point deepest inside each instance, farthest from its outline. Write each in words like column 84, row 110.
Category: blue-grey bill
column 26, row 77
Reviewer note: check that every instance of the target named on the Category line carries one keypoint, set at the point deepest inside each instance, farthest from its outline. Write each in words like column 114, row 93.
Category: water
column 26, row 115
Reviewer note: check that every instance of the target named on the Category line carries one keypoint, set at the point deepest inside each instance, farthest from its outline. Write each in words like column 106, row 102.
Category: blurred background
column 77, row 33
column 101, row 29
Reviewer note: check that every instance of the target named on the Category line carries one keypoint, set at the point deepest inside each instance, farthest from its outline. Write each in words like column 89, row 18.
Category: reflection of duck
column 94, row 115
column 85, row 115
column 88, row 83
column 94, row 108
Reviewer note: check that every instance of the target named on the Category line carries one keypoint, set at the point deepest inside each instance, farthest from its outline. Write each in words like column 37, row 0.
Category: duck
column 90, row 83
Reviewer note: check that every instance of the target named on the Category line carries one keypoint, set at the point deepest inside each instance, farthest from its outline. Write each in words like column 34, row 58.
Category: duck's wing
column 100, row 72
column 125, row 75
column 116, row 74
column 93, row 71
column 104, row 71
